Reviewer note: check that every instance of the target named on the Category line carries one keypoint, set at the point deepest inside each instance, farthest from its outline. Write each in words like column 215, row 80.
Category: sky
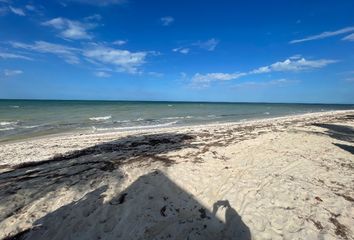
column 212, row 50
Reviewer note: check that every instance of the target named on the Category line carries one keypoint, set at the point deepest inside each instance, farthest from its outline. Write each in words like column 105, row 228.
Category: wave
column 7, row 129
column 138, row 127
column 122, row 121
column 29, row 127
column 100, row 118
column 14, row 106
column 185, row 117
column 266, row 113
column 8, row 123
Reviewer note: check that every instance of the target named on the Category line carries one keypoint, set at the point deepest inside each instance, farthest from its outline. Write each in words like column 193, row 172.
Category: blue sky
column 243, row 51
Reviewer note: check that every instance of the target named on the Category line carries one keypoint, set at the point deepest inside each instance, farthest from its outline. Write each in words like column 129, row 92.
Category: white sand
column 283, row 178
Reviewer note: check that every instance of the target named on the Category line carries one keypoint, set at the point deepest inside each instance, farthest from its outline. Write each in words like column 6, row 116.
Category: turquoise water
column 27, row 118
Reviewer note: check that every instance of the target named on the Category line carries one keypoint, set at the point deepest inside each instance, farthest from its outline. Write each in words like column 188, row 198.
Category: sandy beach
column 282, row 178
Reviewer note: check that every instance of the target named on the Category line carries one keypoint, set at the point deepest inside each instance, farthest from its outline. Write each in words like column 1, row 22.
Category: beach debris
column 162, row 211
column 319, row 199
column 317, row 224
column 19, row 235
column 341, row 230
column 120, row 200
column 202, row 213
column 109, row 166
column 348, row 198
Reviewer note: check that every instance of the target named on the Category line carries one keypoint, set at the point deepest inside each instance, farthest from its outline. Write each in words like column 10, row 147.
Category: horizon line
column 170, row 101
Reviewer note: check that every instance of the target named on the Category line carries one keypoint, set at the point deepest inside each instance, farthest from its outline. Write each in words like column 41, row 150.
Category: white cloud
column 300, row 64
column 181, row 50
column 167, row 20
column 37, row 10
column 17, row 11
column 70, row 29
column 349, row 37
column 265, row 69
column 324, row 35
column 123, row 60
column 208, row 45
column 184, row 50
column 102, row 74
column 257, row 84
column 203, row 80
column 94, row 17
column 30, row 7
column 292, row 65
column 120, row 42
column 67, row 53
column 296, row 56
column 183, row 75
column 6, row 55
column 10, row 73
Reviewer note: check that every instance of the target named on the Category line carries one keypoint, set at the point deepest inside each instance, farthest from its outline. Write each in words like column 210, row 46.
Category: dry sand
column 284, row 178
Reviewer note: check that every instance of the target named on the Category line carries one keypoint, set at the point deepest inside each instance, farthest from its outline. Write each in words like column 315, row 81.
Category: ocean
column 29, row 118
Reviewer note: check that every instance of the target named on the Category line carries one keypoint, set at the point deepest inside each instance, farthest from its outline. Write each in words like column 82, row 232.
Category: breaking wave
column 100, row 118
column 138, row 127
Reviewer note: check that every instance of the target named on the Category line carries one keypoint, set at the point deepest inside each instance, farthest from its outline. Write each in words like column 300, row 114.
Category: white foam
column 266, row 113
column 170, row 118
column 28, row 127
column 6, row 129
column 14, row 106
column 100, row 118
column 8, row 123
column 138, row 127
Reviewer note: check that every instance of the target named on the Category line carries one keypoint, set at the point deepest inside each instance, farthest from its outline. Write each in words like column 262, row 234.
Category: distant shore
column 285, row 177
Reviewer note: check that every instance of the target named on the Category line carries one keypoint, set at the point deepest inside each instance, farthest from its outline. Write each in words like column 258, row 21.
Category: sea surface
column 28, row 118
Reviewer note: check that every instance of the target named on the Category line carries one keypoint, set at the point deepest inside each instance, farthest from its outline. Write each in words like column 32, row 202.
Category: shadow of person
column 234, row 228
column 82, row 170
column 152, row 207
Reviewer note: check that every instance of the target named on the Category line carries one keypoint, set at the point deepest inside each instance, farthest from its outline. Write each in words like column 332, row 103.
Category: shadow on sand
column 336, row 131
column 153, row 207
column 340, row 132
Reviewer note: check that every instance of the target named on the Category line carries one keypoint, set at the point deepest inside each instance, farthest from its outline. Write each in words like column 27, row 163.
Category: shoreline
column 178, row 128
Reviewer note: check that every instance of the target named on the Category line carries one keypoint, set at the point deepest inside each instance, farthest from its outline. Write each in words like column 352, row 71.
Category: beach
column 286, row 177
